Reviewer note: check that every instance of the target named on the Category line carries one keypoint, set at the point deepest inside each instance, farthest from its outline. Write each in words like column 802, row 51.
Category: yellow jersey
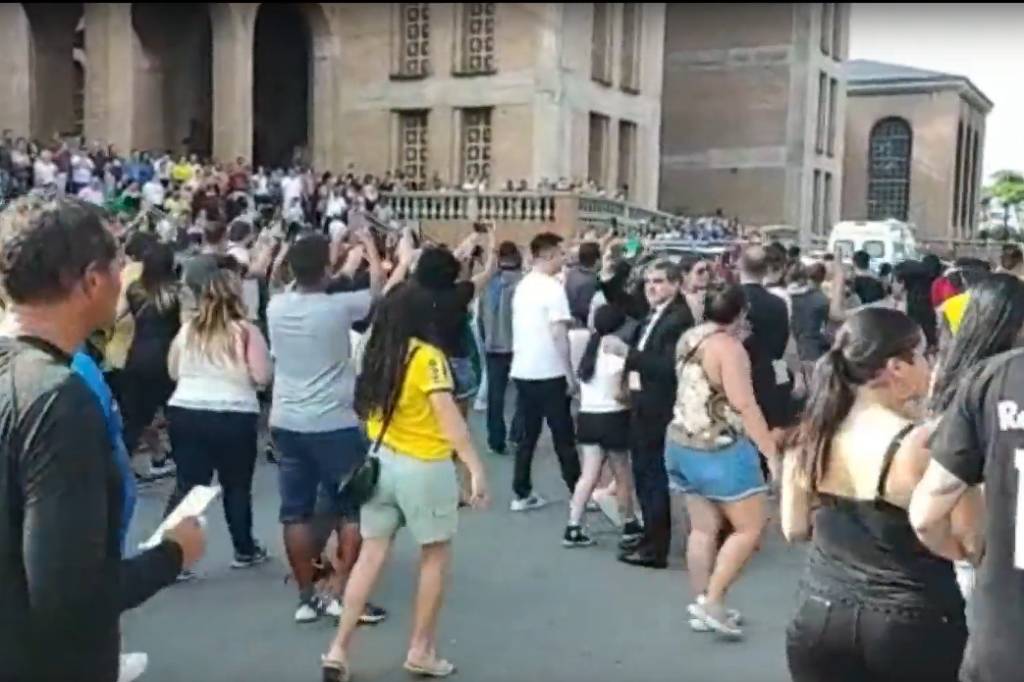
column 414, row 429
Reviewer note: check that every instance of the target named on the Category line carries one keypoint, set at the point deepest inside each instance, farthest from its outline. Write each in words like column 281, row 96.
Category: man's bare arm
column 931, row 510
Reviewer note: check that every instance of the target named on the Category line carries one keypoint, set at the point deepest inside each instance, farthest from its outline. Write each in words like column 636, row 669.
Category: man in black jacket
column 768, row 343
column 63, row 584
column 651, row 370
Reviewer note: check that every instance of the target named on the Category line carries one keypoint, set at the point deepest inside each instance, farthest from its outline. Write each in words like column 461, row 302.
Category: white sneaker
column 734, row 616
column 697, row 625
column 308, row 611
column 132, row 667
column 330, row 606
column 717, row 618
column 527, row 503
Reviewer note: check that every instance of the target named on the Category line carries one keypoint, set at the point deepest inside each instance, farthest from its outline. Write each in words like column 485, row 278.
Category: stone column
column 325, row 70
column 234, row 27
column 111, row 52
column 15, row 82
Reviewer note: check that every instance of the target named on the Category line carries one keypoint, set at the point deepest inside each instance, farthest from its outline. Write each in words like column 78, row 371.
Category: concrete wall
column 148, row 74
column 933, row 118
column 740, row 110
column 51, row 32
column 15, row 69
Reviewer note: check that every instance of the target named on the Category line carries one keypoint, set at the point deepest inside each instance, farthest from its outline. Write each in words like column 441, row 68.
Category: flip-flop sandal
column 439, row 668
column 334, row 671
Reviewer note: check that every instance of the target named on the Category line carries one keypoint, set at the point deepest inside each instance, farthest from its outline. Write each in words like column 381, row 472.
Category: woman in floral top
column 711, row 453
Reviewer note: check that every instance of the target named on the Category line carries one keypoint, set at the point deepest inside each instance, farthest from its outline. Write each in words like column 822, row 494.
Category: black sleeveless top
column 866, row 552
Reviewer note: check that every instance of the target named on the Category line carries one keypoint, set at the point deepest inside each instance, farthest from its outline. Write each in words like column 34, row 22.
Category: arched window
column 889, row 169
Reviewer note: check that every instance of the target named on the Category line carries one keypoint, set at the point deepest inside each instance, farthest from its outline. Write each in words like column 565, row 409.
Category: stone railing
column 600, row 210
column 517, row 214
column 472, row 206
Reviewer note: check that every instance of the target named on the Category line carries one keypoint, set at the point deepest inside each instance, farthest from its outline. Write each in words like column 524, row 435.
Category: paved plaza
column 519, row 607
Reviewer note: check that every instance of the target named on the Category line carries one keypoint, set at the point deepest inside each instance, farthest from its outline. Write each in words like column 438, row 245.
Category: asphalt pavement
column 519, row 606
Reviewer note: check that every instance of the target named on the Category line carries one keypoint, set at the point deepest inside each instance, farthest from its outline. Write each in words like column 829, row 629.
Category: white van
column 886, row 241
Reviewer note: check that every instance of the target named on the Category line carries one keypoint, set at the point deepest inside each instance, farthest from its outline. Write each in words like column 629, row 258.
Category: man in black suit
column 650, row 366
column 772, row 357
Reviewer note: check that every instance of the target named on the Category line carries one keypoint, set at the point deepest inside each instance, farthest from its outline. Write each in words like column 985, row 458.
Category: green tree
column 1008, row 188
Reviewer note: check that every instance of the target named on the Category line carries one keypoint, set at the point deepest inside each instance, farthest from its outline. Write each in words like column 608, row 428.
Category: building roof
column 866, row 77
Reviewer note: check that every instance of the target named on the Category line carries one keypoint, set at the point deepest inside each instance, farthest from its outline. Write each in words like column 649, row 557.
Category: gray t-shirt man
column 314, row 377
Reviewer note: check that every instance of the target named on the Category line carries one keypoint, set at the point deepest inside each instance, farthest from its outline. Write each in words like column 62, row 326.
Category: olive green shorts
column 422, row 495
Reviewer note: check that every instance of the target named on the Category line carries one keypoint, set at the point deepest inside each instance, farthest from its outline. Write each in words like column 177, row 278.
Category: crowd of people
column 874, row 406
column 168, row 186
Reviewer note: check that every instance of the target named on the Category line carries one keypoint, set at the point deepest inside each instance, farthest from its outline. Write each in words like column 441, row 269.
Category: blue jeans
column 312, row 463
column 498, row 367
column 205, row 442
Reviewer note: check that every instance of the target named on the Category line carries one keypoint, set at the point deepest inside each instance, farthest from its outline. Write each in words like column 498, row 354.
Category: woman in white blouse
column 219, row 360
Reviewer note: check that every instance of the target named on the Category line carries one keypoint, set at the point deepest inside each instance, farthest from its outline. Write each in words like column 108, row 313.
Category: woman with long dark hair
column 874, row 603
column 405, row 393
column 155, row 307
column 915, row 280
column 602, row 425
column 991, row 325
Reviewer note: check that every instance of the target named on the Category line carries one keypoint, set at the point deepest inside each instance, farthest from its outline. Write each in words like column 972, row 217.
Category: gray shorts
column 412, row 492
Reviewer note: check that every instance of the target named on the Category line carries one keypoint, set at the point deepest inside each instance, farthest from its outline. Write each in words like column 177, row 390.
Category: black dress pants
column 647, row 438
column 538, row 401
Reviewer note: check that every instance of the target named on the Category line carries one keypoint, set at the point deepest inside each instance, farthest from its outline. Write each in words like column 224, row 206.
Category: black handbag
column 361, row 484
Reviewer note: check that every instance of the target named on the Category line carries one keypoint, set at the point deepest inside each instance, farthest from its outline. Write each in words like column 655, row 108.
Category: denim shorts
column 729, row 474
column 421, row 495
column 312, row 463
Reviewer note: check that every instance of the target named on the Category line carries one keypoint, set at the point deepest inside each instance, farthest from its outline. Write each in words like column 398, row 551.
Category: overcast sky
column 980, row 41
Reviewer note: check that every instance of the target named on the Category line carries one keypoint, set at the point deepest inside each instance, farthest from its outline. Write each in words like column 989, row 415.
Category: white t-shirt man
column 154, row 193
column 539, row 302
column 291, row 189
column 44, row 173
column 335, row 205
column 81, row 169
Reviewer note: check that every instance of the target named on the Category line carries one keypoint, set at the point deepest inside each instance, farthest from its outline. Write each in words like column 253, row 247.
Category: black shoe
column 575, row 537
column 259, row 555
column 271, row 455
column 628, row 543
column 644, row 558
column 372, row 615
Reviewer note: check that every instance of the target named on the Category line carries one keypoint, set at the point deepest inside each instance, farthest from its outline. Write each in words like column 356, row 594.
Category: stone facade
column 945, row 116
column 511, row 90
column 753, row 111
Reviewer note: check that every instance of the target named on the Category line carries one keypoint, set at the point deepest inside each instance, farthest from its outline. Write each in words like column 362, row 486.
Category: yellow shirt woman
column 414, row 430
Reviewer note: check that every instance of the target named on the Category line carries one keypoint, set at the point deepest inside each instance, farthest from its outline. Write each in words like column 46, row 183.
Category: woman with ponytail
column 602, row 426
column 874, row 603
column 219, row 360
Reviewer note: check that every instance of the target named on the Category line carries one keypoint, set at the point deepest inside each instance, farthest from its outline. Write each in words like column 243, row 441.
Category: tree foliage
column 1008, row 188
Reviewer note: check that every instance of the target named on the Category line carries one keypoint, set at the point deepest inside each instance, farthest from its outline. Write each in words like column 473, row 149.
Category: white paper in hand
column 194, row 504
